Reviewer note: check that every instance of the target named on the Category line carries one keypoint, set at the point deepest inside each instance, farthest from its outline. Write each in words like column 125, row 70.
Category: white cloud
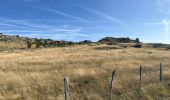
column 151, row 23
column 28, row 28
column 163, row 3
column 66, row 15
column 63, row 14
column 165, row 27
column 166, row 24
column 164, row 6
column 106, row 17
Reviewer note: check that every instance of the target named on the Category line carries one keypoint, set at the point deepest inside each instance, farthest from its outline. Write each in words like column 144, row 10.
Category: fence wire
column 150, row 76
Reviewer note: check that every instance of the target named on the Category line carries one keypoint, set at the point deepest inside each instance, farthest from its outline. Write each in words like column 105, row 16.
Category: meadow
column 37, row 74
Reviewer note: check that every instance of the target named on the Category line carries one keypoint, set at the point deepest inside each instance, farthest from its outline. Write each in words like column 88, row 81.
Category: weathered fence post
column 111, row 86
column 140, row 72
column 161, row 77
column 66, row 88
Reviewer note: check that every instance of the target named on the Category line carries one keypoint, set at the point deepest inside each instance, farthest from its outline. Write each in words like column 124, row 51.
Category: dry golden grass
column 38, row 74
column 12, row 45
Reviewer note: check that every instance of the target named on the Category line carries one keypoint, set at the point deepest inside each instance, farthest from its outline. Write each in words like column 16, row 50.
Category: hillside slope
column 38, row 74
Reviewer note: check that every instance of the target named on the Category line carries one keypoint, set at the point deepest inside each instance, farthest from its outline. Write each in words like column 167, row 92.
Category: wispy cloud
column 38, row 26
column 162, row 3
column 64, row 14
column 110, row 18
column 40, row 30
column 166, row 24
column 106, row 16
column 151, row 23
column 67, row 15
column 164, row 6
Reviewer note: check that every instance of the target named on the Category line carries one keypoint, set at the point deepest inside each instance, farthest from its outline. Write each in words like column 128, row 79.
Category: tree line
column 52, row 43
column 37, row 43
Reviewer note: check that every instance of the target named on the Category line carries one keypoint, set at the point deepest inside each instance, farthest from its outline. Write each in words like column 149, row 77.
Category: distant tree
column 71, row 43
column 29, row 44
column 45, row 43
column 17, row 36
column 137, row 40
column 137, row 45
column 37, row 44
column 85, row 42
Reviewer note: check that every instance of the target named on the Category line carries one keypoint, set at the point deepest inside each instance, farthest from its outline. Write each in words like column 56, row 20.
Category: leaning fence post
column 66, row 88
column 140, row 76
column 161, row 77
column 111, row 86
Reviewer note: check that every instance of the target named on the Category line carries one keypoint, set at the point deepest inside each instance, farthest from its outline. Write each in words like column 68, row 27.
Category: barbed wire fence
column 110, row 94
column 142, row 82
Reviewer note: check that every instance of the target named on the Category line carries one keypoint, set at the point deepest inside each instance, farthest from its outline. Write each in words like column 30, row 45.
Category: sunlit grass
column 38, row 74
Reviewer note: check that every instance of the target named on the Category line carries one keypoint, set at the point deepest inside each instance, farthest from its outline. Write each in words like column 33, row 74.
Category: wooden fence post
column 140, row 76
column 66, row 88
column 111, row 86
column 161, row 77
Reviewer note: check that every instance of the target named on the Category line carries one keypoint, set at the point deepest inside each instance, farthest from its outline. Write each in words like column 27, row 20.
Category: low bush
column 138, row 45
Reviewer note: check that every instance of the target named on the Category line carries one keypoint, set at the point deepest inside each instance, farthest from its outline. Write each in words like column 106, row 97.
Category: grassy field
column 7, row 46
column 38, row 74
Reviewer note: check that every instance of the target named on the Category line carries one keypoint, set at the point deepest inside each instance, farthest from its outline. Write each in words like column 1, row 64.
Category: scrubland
column 38, row 74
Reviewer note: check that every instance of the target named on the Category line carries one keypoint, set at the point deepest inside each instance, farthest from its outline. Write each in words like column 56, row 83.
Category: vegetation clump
column 46, row 43
column 112, row 43
column 106, row 48
column 137, row 40
column 160, row 45
column 85, row 42
column 39, row 75
column 138, row 45
column 116, row 40
column 29, row 44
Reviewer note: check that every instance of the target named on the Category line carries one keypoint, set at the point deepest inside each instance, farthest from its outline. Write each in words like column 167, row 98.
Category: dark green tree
column 37, row 44
column 29, row 44
column 137, row 40
column 45, row 44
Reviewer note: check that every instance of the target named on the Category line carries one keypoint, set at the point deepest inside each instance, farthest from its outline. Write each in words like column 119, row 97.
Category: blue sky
column 78, row 20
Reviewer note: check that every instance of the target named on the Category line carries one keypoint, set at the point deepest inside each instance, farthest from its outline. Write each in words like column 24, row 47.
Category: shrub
column 112, row 43
column 138, row 45
column 85, row 42
column 37, row 44
column 159, row 45
column 29, row 44
column 168, row 48
column 137, row 40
